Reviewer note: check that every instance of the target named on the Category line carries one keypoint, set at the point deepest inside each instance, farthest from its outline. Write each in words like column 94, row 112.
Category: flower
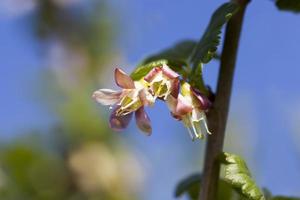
column 132, row 98
column 190, row 107
column 163, row 81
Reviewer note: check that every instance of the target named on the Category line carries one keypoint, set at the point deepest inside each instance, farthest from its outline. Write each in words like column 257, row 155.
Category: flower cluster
column 185, row 102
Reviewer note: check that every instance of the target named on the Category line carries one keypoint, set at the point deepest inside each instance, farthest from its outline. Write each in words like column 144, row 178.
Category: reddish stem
column 217, row 117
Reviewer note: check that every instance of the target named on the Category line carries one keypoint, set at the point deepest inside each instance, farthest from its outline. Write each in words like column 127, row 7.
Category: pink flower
column 132, row 98
column 163, row 81
column 190, row 107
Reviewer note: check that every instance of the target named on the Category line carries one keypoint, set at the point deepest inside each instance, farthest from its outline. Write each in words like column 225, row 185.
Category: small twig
column 217, row 117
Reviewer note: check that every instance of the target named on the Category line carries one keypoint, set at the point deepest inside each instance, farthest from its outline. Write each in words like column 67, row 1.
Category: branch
column 217, row 117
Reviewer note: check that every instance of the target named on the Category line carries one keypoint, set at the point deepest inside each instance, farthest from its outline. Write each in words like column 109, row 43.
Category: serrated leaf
column 288, row 5
column 227, row 190
column 207, row 46
column 191, row 186
column 238, row 175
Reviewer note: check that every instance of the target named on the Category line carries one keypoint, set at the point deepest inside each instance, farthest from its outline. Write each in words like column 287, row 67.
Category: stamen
column 195, row 130
column 204, row 123
column 191, row 128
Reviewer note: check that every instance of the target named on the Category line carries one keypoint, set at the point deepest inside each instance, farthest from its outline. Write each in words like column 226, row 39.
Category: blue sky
column 265, row 98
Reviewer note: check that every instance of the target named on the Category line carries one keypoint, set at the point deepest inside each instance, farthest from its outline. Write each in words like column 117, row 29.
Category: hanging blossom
column 190, row 107
column 185, row 103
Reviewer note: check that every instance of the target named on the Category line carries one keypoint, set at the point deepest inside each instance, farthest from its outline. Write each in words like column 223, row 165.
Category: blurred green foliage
column 79, row 157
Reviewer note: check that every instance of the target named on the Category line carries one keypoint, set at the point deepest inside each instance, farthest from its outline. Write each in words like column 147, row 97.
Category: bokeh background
column 55, row 142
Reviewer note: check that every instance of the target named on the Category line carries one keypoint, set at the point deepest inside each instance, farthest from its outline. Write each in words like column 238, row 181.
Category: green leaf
column 187, row 52
column 142, row 70
column 196, row 79
column 207, row 46
column 177, row 54
column 227, row 190
column 176, row 57
column 288, row 5
column 191, row 186
column 238, row 175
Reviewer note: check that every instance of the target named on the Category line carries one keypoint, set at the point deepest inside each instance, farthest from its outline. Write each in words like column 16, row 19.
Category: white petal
column 107, row 97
